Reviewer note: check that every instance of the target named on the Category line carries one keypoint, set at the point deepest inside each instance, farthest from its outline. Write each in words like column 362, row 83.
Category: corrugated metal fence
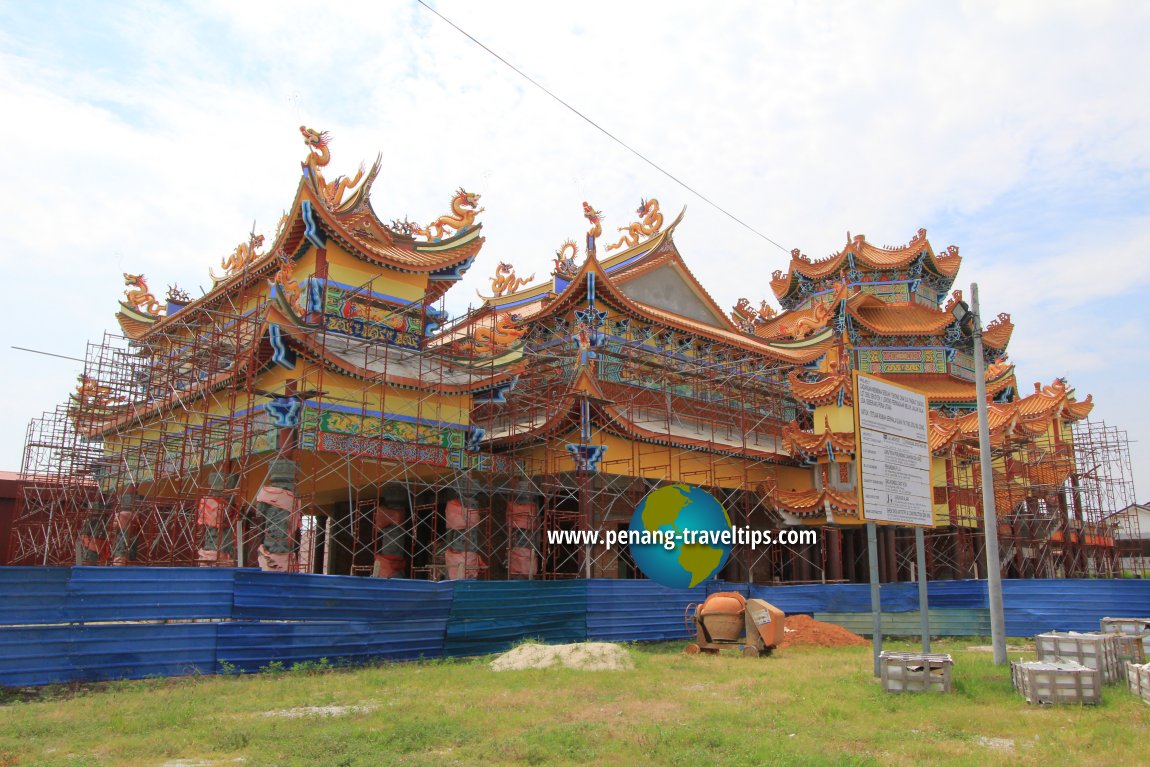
column 93, row 623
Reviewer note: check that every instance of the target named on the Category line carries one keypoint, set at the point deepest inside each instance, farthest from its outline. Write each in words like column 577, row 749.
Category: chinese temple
column 317, row 410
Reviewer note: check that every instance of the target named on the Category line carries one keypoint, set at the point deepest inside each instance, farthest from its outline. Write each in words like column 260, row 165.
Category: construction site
column 316, row 411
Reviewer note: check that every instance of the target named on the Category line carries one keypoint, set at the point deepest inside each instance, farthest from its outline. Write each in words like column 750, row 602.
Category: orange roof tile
column 997, row 333
column 814, row 503
column 802, row 444
column 867, row 255
column 940, row 388
column 899, row 319
column 795, row 354
column 823, row 391
column 1054, row 401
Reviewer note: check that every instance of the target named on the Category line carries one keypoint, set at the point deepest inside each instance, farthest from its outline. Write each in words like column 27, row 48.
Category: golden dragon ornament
column 240, row 259
column 318, row 157
column 596, row 219
column 464, row 209
column 139, row 297
column 649, row 223
column 505, row 281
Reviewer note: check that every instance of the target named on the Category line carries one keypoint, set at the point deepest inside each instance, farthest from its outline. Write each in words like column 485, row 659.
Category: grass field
column 804, row 706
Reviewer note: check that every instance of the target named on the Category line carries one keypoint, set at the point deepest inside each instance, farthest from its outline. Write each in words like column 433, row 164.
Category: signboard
column 893, row 453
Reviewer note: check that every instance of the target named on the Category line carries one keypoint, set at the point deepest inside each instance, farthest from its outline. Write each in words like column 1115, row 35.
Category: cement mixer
column 726, row 620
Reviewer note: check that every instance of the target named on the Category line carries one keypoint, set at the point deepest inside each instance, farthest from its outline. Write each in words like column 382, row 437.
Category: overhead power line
column 606, row 132
column 48, row 354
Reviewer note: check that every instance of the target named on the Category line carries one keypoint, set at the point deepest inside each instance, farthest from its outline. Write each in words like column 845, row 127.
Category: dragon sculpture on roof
column 505, row 281
column 139, row 297
column 816, row 318
column 596, row 219
column 464, row 209
column 318, row 157
column 91, row 393
column 651, row 221
column 504, row 333
column 284, row 278
column 242, row 257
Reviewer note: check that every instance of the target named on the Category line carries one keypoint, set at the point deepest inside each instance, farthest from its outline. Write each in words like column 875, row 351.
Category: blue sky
column 147, row 138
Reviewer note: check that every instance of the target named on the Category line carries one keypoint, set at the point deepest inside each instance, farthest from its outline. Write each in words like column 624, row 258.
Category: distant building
column 1132, row 528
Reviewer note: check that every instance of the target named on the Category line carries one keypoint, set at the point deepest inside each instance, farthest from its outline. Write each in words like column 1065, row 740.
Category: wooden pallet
column 1096, row 651
column 915, row 672
column 1046, row 682
column 1138, row 678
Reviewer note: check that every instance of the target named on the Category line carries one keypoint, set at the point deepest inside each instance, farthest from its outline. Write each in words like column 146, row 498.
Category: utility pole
column 989, row 514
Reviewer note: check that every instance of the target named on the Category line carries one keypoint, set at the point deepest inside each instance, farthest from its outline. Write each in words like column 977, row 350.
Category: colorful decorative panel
column 901, row 360
column 888, row 291
column 353, row 315
column 386, row 427
column 430, row 455
column 962, row 365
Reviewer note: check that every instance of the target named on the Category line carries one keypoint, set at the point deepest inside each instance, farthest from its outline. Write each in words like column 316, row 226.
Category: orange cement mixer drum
column 722, row 616
column 723, row 603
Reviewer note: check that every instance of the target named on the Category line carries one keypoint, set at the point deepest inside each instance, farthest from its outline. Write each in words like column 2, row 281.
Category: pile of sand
column 303, row 711
column 587, row 656
column 803, row 630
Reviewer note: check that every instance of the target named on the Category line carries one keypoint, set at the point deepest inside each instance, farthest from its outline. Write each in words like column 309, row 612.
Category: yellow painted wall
column 841, row 418
column 349, row 270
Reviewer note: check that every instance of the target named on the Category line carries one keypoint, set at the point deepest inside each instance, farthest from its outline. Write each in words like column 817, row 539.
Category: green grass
column 800, row 707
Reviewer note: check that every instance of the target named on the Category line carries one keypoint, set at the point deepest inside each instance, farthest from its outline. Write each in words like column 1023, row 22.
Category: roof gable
column 667, row 288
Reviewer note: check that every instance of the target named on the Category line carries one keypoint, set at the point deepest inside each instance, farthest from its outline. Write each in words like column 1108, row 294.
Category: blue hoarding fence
column 97, row 623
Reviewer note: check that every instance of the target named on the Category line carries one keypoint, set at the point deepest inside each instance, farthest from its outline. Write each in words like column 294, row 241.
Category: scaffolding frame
column 158, row 457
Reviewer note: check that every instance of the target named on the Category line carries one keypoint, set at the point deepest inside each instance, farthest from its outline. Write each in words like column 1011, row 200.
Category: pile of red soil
column 803, row 630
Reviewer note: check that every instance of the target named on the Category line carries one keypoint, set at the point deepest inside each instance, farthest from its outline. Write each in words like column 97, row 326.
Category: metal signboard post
column 893, row 452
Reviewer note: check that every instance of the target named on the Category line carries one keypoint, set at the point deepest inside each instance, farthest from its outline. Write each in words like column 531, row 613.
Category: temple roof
column 1022, row 419
column 632, row 421
column 576, row 291
column 817, row 444
column 939, row 388
column 997, row 333
column 833, row 389
column 319, row 213
column 812, row 503
column 864, row 255
column 658, row 254
column 890, row 319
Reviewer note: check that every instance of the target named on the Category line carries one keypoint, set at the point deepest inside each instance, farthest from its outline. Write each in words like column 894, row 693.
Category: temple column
column 462, row 557
column 92, row 543
column 523, row 533
column 833, row 540
column 126, row 523
column 278, row 509
column 390, row 519
column 217, row 540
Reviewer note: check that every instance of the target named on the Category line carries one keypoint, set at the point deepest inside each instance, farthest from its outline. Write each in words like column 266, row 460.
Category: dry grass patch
column 801, row 706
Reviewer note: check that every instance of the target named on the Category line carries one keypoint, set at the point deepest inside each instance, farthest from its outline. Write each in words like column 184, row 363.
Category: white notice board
column 893, row 453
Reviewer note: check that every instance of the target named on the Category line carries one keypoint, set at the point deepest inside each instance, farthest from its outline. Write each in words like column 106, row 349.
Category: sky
column 146, row 137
